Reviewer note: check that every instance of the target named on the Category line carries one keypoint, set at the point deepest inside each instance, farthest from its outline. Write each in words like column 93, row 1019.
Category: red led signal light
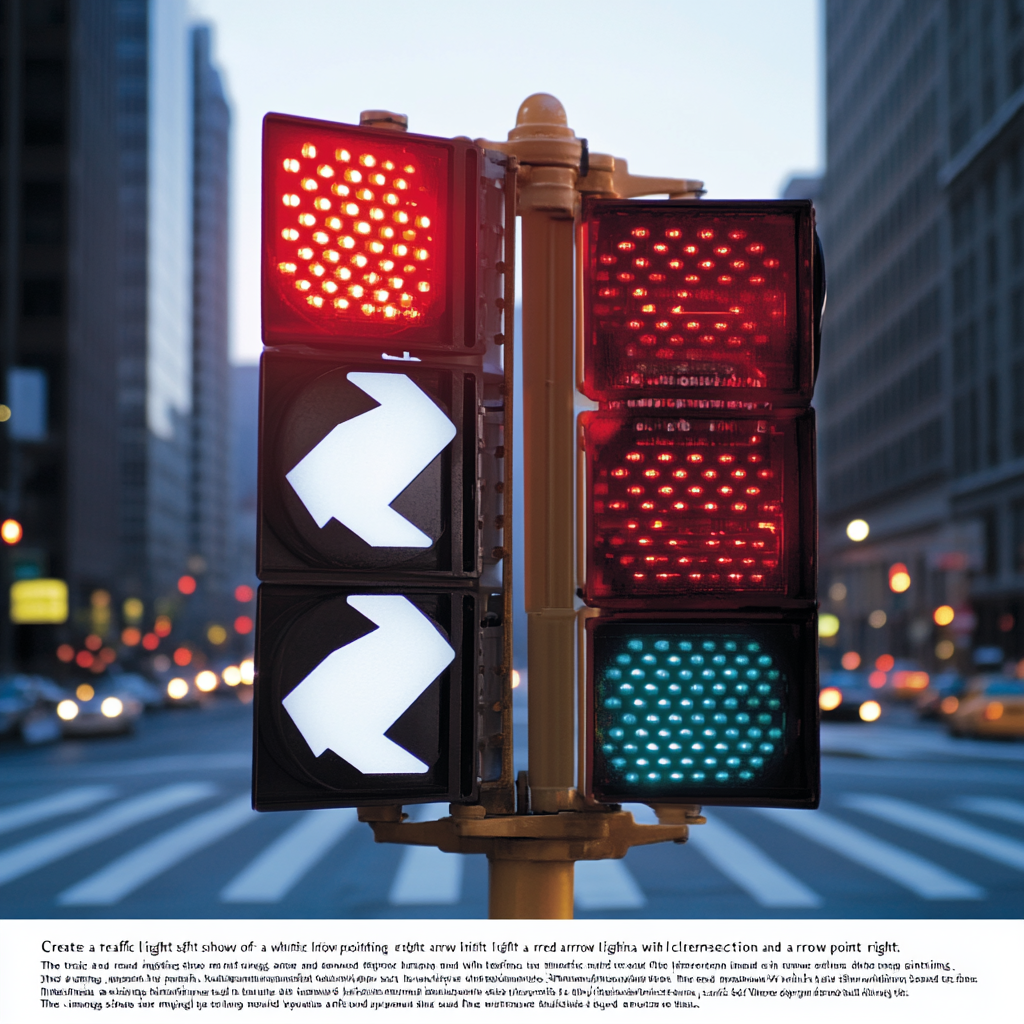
column 699, row 511
column 684, row 296
column 367, row 236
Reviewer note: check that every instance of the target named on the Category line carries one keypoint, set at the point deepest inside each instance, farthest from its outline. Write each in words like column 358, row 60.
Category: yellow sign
column 36, row 602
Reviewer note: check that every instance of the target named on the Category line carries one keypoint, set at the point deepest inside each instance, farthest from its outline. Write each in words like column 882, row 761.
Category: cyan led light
column 702, row 711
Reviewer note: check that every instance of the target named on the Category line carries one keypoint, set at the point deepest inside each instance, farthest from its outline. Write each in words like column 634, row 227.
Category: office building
column 113, row 328
column 916, row 395
column 210, row 529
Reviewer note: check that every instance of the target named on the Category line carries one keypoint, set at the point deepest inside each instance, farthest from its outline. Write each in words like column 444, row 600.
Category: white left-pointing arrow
column 358, row 691
column 363, row 464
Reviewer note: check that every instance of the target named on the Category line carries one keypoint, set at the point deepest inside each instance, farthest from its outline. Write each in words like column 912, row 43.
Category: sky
column 728, row 92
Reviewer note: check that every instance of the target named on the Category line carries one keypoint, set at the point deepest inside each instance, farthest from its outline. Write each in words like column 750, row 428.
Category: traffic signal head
column 699, row 511
column 711, row 710
column 364, row 695
column 369, row 467
column 368, row 237
column 698, row 336
column 709, row 297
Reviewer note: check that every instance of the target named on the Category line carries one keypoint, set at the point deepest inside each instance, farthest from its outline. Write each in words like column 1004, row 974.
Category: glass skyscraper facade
column 113, row 310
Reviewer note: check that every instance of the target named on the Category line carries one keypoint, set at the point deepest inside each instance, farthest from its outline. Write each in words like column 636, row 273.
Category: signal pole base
column 530, row 889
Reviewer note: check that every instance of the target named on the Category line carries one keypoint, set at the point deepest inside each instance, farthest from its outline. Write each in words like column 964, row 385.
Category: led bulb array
column 690, row 301
column 696, row 510
column 702, row 710
column 359, row 231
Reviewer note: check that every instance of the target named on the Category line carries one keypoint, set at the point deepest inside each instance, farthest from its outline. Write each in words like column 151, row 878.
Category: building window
column 990, row 522
column 45, row 100
column 963, row 286
column 963, row 219
column 1018, row 410
column 1016, row 69
column 992, row 422
column 42, row 213
column 965, row 352
column 1017, row 315
column 1017, row 515
column 42, row 297
column 992, row 259
column 965, row 434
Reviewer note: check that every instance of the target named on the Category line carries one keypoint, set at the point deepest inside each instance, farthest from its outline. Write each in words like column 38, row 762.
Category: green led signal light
column 704, row 712
column 691, row 711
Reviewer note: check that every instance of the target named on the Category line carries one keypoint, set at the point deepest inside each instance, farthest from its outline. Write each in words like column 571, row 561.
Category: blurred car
column 28, row 707
column 848, row 696
column 972, row 685
column 993, row 708
column 139, row 687
column 933, row 702
column 98, row 710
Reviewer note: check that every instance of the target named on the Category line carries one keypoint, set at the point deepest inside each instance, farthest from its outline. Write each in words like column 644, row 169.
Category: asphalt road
column 157, row 825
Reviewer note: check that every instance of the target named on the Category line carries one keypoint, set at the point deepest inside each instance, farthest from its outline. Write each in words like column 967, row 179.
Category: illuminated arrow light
column 358, row 691
column 363, row 464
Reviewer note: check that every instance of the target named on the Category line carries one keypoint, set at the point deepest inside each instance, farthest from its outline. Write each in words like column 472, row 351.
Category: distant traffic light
column 699, row 335
column 382, row 458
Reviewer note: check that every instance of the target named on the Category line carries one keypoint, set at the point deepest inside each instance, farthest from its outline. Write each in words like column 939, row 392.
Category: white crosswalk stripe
column 32, row 854
column 427, row 876
column 994, row 807
column 606, row 885
column 943, row 827
column 137, row 867
column 745, row 864
column 283, row 864
column 81, row 798
column 920, row 876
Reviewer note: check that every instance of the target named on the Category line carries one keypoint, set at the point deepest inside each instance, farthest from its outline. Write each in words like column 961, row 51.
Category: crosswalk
column 70, row 821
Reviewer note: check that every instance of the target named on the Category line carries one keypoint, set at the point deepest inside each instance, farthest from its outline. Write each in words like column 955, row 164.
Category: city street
column 913, row 824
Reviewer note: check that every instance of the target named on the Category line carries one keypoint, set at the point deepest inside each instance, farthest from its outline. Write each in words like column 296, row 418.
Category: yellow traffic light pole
column 532, row 856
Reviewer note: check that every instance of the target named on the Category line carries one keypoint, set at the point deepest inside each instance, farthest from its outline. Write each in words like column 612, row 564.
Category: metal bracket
column 568, row 836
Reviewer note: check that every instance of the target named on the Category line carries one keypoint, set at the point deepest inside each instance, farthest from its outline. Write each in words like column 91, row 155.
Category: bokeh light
column 857, row 530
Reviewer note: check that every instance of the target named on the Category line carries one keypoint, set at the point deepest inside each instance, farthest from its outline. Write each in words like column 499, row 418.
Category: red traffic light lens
column 356, row 236
column 697, row 508
column 697, row 296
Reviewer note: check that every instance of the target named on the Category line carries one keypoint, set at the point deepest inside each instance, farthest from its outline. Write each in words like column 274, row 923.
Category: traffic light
column 382, row 643
column 698, row 339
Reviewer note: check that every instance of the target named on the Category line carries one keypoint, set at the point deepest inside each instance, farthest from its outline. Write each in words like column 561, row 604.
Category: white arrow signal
column 358, row 691
column 363, row 464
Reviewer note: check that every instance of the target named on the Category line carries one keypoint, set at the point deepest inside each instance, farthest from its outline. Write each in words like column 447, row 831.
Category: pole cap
column 384, row 119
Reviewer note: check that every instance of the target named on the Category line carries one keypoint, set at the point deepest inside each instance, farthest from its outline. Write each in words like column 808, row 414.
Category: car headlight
column 67, row 709
column 177, row 688
column 111, row 707
column 870, row 711
column 830, row 698
column 206, row 681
